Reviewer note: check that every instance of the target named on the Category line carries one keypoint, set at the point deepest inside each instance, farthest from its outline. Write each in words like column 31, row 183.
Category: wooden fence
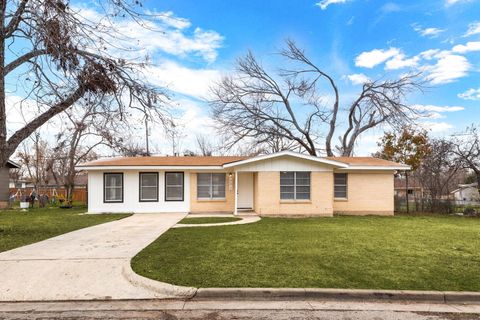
column 79, row 194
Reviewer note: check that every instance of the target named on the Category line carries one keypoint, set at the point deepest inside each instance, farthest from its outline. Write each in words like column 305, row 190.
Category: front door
column 245, row 190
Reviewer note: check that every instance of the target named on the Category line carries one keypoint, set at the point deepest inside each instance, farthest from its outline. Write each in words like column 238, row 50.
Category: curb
column 162, row 290
column 336, row 294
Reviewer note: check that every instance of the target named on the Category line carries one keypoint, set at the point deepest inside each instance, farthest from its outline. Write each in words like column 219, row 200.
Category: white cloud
column 433, row 108
column 447, row 69
column 358, row 78
column 170, row 19
column 370, row 59
column 429, row 54
column 399, row 62
column 325, row 3
column 470, row 94
column 465, row 48
column 473, row 28
column 165, row 33
column 452, row 2
column 428, row 32
column 436, row 127
column 192, row 82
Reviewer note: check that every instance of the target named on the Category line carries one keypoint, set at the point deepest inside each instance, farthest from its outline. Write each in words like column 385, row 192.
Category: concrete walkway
column 245, row 220
column 90, row 263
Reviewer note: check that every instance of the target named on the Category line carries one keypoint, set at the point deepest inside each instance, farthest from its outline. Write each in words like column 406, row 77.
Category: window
column 294, row 185
column 211, row 185
column 173, row 186
column 113, row 187
column 340, row 185
column 148, row 186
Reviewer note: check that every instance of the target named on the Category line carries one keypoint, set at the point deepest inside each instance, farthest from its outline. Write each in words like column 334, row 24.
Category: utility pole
column 146, row 135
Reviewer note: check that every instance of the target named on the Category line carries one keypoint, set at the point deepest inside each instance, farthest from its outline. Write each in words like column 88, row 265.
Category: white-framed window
column 340, row 185
column 148, row 186
column 294, row 185
column 113, row 187
column 174, row 186
column 211, row 185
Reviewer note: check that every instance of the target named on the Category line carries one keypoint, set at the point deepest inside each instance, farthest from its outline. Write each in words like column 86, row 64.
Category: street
column 241, row 310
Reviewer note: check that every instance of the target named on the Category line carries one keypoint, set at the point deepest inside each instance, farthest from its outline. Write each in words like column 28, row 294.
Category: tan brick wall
column 227, row 205
column 368, row 193
column 267, row 196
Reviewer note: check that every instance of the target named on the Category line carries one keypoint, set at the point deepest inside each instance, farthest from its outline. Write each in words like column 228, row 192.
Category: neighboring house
column 284, row 183
column 414, row 190
column 4, row 190
column 18, row 184
column 467, row 194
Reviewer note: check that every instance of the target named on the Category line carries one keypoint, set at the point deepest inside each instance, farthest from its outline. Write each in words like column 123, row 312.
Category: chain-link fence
column 439, row 206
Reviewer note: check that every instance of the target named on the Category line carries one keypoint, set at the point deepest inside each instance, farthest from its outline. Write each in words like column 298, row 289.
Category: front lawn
column 403, row 252
column 203, row 220
column 19, row 228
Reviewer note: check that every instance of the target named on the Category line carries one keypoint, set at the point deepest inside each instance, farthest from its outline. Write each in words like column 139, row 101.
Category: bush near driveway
column 402, row 252
column 19, row 228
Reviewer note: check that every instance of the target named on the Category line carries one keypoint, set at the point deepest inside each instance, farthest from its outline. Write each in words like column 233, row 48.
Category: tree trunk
column 3, row 115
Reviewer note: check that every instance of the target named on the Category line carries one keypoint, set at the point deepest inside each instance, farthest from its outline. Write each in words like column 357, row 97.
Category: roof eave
column 145, row 167
column 286, row 153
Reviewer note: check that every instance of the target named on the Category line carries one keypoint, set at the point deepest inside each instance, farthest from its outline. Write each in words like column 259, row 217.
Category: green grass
column 403, row 252
column 202, row 220
column 19, row 228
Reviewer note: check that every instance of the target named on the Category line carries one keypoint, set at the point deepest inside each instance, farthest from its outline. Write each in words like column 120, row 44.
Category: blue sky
column 352, row 40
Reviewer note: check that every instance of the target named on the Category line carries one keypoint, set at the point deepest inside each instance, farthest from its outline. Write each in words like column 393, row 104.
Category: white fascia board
column 286, row 153
column 160, row 168
column 389, row 168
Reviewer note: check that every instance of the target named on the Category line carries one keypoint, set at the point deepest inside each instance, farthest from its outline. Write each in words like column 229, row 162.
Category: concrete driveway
column 91, row 263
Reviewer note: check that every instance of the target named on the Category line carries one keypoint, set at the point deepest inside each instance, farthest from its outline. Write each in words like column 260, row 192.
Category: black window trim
column 183, row 186
column 140, row 186
column 104, row 185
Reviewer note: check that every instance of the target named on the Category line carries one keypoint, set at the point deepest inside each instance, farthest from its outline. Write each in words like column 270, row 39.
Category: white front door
column 245, row 190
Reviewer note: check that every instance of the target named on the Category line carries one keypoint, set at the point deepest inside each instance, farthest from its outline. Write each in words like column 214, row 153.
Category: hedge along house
column 284, row 183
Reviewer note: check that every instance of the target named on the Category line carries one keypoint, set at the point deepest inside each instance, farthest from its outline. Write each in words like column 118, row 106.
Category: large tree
column 55, row 57
column 409, row 146
column 259, row 105
column 467, row 150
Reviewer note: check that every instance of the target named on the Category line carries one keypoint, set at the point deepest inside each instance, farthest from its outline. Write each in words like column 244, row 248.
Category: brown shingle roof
column 364, row 161
column 164, row 161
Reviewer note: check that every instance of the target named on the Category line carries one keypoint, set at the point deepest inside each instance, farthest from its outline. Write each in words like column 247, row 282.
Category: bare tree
column 63, row 58
column 438, row 170
column 88, row 127
column 204, row 145
column 467, row 150
column 259, row 105
column 34, row 158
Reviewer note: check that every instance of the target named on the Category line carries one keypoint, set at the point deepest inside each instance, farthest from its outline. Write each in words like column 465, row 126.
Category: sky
column 352, row 40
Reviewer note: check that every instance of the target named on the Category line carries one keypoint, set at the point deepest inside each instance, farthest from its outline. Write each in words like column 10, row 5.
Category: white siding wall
column 131, row 201
column 285, row 163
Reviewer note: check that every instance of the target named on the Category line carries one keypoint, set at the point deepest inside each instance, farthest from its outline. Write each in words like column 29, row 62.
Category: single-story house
column 284, row 183
column 467, row 194
column 4, row 188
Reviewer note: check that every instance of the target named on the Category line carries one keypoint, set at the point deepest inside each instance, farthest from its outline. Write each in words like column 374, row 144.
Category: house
column 4, row 176
column 415, row 189
column 284, row 183
column 466, row 194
